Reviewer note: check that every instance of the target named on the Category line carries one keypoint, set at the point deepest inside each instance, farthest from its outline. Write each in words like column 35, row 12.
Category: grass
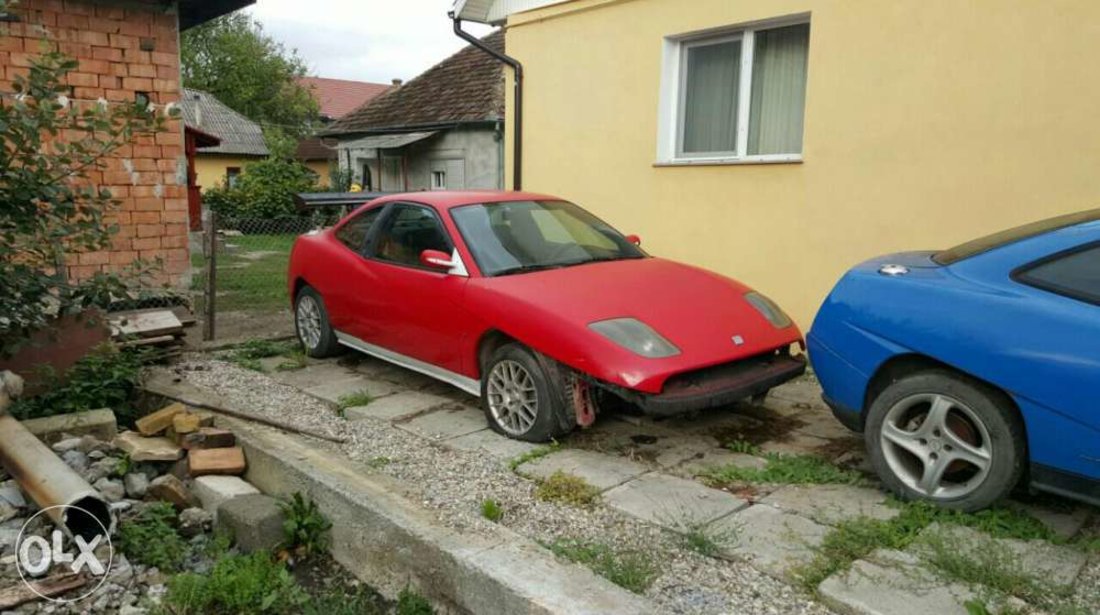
column 252, row 276
column 491, row 510
column 785, row 469
column 705, row 539
column 248, row 354
column 379, row 462
column 361, row 601
column 150, row 538
column 351, row 400
column 533, row 454
column 567, row 489
column 243, row 584
column 630, row 570
column 854, row 538
column 409, row 602
column 744, row 447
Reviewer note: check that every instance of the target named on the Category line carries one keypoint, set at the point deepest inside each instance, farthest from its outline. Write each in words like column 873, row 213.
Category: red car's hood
column 700, row 312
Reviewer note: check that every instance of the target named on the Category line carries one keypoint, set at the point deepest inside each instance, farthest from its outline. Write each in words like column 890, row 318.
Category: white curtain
column 778, row 90
column 710, row 98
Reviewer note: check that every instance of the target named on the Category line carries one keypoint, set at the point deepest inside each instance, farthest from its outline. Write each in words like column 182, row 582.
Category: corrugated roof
column 466, row 87
column 337, row 97
column 239, row 135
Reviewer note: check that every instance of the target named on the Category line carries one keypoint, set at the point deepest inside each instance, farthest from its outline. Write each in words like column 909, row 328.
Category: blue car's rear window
column 996, row 240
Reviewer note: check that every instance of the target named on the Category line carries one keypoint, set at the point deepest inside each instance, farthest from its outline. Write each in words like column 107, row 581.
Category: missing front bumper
column 719, row 385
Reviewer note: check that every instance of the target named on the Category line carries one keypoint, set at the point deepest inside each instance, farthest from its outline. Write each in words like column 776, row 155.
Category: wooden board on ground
column 21, row 593
column 145, row 324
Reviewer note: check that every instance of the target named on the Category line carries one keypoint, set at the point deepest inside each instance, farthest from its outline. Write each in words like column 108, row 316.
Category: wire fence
column 238, row 281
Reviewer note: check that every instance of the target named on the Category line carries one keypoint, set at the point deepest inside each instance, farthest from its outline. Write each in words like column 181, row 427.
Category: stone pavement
column 649, row 469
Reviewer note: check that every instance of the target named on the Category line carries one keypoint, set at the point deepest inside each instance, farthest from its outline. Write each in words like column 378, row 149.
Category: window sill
column 707, row 162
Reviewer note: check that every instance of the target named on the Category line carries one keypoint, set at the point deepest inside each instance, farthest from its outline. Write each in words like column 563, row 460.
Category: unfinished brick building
column 127, row 50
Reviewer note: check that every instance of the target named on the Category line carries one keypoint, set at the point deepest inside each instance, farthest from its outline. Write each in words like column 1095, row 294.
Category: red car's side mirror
column 634, row 239
column 436, row 259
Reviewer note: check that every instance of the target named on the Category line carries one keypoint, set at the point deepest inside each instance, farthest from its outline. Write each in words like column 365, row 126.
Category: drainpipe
column 517, row 71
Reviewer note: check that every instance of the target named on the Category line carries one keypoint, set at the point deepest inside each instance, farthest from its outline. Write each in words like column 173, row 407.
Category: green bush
column 105, row 378
column 150, row 538
column 265, row 189
column 240, row 584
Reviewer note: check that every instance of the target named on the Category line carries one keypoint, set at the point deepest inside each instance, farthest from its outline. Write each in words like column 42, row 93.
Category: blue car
column 972, row 369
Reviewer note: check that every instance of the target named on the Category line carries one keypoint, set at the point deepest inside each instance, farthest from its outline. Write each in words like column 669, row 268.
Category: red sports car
column 537, row 306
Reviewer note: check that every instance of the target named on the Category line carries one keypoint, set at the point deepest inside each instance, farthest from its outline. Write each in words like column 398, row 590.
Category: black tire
column 553, row 415
column 325, row 344
column 965, row 486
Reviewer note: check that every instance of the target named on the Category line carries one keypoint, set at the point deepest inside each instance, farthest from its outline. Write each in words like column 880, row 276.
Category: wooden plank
column 14, row 595
column 150, row 324
column 149, row 341
column 186, row 316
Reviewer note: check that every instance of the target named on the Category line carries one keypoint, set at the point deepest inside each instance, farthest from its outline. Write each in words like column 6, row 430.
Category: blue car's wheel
column 942, row 437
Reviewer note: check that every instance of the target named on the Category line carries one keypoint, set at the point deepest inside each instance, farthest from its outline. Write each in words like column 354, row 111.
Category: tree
column 232, row 58
column 49, row 146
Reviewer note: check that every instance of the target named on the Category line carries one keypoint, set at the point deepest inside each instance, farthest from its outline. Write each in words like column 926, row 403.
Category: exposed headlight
column 636, row 336
column 768, row 309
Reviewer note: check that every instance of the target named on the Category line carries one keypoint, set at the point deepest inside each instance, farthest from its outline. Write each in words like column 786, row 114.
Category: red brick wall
column 109, row 41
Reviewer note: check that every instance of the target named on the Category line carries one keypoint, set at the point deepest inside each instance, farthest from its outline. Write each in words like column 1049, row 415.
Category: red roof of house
column 339, row 96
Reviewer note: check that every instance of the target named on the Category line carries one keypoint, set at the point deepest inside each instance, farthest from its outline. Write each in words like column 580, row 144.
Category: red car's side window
column 354, row 233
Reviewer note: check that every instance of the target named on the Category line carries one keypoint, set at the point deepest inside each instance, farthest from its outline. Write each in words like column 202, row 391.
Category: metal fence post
column 210, row 246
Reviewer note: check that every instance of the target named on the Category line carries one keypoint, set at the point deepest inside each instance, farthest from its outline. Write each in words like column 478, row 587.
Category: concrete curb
column 384, row 539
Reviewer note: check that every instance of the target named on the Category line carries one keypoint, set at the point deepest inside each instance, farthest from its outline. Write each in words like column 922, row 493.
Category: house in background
column 126, row 51
column 441, row 130
column 782, row 142
column 336, row 98
column 241, row 140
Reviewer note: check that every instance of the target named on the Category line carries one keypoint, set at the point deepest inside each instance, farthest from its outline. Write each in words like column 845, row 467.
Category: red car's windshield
column 520, row 236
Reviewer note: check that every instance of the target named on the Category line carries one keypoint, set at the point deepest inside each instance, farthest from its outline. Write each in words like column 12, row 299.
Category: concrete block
column 201, row 462
column 771, row 540
column 333, row 391
column 672, row 502
column 444, row 423
column 157, row 422
column 831, row 504
column 141, row 448
column 873, row 589
column 212, row 491
column 398, row 406
column 255, row 521
column 492, row 444
column 100, row 424
column 597, row 469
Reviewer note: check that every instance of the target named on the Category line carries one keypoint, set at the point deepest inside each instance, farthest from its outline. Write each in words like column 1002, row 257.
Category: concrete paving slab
column 491, row 443
column 396, row 407
column 795, row 443
column 831, row 504
column 447, row 422
column 597, row 469
column 717, row 458
column 672, row 502
column 317, row 374
column 822, row 424
column 672, row 451
column 873, row 589
column 350, row 384
column 803, row 391
column 1052, row 564
column 1065, row 521
column 771, row 540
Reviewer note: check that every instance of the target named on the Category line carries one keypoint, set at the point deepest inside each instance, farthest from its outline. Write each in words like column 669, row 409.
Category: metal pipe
column 517, row 85
column 49, row 481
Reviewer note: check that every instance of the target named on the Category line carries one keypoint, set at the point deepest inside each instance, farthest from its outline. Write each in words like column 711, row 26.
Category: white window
column 735, row 96
column 439, row 180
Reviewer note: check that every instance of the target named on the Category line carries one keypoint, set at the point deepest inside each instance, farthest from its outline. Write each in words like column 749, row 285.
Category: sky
column 364, row 40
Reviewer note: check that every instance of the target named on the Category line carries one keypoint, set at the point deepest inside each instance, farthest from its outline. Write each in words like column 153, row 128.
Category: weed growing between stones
column 855, row 538
column 784, row 469
column 305, row 530
column 533, row 454
column 630, row 570
column 744, row 447
column 567, row 489
column 491, row 510
column 248, row 354
column 409, row 602
column 706, row 539
column 252, row 583
column 351, row 400
column 379, row 462
column 150, row 538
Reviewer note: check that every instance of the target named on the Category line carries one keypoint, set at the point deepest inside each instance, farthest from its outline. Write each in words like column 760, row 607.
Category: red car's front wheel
column 522, row 398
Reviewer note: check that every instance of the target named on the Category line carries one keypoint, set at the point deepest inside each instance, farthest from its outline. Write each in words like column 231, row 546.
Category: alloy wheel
column 936, row 445
column 308, row 316
column 512, row 396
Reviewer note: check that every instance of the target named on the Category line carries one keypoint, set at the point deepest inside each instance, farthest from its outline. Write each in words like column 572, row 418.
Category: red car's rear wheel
column 312, row 325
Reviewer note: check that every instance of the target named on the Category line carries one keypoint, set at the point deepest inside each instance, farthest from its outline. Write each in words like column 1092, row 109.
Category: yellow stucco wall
column 210, row 168
column 928, row 122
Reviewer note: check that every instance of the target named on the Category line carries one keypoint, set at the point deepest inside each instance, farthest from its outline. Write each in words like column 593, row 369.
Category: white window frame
column 674, row 83
column 442, row 184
